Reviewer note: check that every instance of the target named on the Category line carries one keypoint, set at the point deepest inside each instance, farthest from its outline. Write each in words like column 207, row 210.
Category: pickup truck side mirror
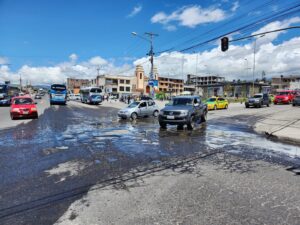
column 196, row 104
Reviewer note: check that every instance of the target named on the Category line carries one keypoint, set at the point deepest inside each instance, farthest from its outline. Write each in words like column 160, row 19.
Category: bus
column 7, row 92
column 91, row 95
column 58, row 94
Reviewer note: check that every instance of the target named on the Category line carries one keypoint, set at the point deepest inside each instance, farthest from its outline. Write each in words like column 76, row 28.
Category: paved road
column 49, row 163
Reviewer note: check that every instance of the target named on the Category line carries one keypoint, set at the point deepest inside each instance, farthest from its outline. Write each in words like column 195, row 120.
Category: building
column 74, row 85
column 204, row 80
column 142, row 81
column 171, row 86
column 244, row 89
column 286, row 82
column 207, row 86
column 115, row 84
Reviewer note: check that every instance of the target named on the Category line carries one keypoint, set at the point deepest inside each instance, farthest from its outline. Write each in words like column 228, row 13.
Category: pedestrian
column 128, row 99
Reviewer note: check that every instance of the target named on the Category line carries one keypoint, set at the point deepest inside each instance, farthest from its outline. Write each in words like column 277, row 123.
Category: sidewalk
column 284, row 126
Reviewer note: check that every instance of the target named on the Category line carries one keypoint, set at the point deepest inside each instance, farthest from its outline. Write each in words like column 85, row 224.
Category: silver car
column 139, row 109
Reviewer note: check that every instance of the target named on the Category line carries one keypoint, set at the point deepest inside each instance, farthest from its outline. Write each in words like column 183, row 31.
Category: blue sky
column 44, row 33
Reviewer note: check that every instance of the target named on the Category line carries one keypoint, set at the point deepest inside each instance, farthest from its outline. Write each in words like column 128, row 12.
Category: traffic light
column 224, row 44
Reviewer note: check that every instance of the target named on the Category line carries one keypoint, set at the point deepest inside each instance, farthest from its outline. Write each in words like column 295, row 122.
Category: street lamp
column 254, row 53
column 151, row 54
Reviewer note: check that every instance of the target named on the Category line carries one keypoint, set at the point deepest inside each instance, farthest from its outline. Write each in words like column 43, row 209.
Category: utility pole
column 20, row 83
column 196, row 62
column 254, row 53
column 182, row 64
column 151, row 54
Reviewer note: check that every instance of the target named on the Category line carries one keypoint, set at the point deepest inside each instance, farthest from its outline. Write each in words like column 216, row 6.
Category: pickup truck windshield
column 182, row 101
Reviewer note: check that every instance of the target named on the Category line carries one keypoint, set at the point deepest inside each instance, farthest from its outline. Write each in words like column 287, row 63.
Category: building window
column 128, row 89
column 141, row 75
column 122, row 81
column 114, row 90
column 121, row 88
column 127, row 81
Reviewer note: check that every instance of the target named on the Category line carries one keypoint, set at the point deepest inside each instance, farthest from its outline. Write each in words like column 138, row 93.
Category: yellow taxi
column 215, row 103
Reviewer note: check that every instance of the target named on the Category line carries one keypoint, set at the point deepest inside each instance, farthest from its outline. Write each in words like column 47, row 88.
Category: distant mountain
column 44, row 86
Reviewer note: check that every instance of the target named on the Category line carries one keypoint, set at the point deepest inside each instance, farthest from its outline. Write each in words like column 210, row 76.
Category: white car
column 74, row 96
column 139, row 109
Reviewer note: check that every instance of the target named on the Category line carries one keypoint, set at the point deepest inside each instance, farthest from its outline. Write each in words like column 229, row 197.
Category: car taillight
column 16, row 110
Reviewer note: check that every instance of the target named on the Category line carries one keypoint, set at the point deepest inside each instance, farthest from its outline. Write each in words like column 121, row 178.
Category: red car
column 284, row 97
column 23, row 107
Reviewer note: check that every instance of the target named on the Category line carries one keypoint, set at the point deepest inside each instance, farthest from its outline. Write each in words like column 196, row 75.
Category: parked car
column 215, row 103
column 37, row 96
column 74, row 96
column 139, row 109
column 23, row 107
column 258, row 100
column 284, row 97
column 95, row 99
column 296, row 100
column 183, row 110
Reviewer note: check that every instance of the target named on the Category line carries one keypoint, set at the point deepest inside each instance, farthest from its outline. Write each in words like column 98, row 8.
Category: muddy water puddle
column 143, row 137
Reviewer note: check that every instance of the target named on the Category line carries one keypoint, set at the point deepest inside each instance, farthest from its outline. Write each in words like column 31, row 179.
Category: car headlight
column 161, row 112
column 184, row 113
column 34, row 109
column 16, row 110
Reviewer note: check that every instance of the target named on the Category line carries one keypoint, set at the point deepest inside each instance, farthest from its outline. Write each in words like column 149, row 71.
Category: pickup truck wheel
column 12, row 117
column 133, row 116
column 204, row 117
column 180, row 127
column 268, row 105
column 226, row 106
column 155, row 113
column 162, row 125
column 191, row 123
column 294, row 104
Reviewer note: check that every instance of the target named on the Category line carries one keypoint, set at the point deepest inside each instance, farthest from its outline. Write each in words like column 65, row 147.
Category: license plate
column 25, row 112
column 170, row 117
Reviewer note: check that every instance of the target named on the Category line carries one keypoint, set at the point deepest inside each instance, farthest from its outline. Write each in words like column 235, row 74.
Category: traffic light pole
column 151, row 54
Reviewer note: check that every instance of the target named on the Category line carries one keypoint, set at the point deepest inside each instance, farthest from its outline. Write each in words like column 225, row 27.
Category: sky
column 46, row 41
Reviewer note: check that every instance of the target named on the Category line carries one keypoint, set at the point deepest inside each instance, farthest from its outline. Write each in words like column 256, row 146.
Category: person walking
column 128, row 99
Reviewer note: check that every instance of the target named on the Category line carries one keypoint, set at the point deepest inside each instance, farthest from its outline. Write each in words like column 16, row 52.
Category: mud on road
column 48, row 163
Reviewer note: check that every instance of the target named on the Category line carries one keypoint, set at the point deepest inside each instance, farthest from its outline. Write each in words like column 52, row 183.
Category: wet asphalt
column 105, row 147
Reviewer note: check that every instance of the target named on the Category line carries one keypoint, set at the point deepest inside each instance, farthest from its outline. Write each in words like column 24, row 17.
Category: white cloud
column 97, row 61
column 3, row 60
column 275, row 26
column 137, row 9
column 273, row 59
column 73, row 57
column 235, row 6
column 190, row 16
column 171, row 28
